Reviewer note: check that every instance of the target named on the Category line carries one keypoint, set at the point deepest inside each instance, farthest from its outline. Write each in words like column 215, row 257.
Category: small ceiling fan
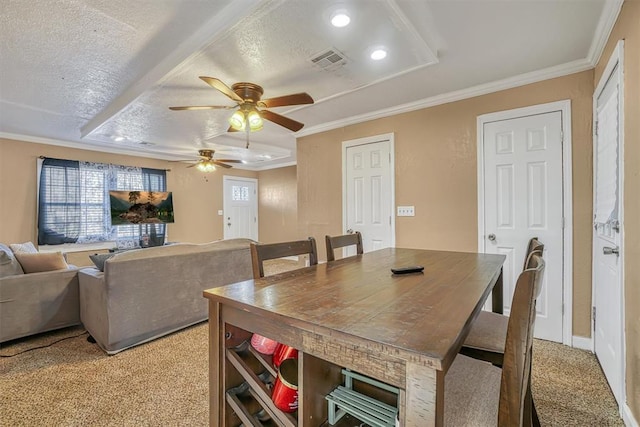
column 208, row 164
column 251, row 110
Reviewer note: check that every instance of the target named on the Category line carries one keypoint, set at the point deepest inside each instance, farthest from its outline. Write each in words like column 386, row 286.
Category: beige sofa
column 35, row 302
column 147, row 293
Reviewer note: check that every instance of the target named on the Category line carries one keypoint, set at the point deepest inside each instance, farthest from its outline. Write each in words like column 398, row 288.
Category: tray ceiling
column 101, row 74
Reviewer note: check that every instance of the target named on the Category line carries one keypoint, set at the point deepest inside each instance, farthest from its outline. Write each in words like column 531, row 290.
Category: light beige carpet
column 570, row 389
column 71, row 382
column 164, row 383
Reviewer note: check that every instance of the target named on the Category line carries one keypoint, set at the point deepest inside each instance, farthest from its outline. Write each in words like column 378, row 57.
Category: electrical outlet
column 406, row 211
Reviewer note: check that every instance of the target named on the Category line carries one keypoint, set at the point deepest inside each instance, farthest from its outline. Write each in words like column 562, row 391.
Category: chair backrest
column 534, row 245
column 517, row 352
column 337, row 242
column 262, row 252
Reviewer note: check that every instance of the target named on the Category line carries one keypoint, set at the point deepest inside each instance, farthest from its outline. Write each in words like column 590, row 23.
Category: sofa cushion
column 46, row 261
column 26, row 247
column 9, row 265
column 99, row 259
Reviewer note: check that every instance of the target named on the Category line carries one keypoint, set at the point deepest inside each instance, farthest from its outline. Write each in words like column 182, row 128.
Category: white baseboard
column 582, row 343
column 627, row 417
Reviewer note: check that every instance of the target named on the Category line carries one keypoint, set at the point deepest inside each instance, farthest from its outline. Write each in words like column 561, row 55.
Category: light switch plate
column 406, row 211
column 220, row 212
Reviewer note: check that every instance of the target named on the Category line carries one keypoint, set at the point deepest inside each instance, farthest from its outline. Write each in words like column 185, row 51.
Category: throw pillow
column 26, row 247
column 45, row 261
column 9, row 265
column 99, row 259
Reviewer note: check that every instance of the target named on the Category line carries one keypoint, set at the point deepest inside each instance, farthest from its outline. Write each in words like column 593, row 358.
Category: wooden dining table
column 404, row 330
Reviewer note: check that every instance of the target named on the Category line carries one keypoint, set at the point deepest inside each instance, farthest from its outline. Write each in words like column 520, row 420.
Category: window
column 240, row 193
column 73, row 204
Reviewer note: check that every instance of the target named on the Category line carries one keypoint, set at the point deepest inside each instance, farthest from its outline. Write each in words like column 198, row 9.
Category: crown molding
column 608, row 18
column 272, row 166
column 129, row 151
column 123, row 151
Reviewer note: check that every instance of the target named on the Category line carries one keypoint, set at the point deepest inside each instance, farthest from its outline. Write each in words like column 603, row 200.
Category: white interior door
column 240, row 208
column 523, row 182
column 368, row 191
column 607, row 239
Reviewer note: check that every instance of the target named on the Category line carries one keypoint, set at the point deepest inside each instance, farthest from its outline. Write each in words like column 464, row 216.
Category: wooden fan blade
column 193, row 165
column 217, row 84
column 228, row 160
column 281, row 120
column 202, row 107
column 281, row 101
column 217, row 163
column 232, row 129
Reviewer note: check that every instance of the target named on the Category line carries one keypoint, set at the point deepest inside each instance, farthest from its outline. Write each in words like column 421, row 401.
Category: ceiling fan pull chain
column 248, row 131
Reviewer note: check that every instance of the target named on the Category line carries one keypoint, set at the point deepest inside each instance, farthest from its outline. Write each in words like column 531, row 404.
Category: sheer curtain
column 74, row 207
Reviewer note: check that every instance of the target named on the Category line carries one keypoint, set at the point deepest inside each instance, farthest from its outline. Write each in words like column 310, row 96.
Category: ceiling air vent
column 329, row 59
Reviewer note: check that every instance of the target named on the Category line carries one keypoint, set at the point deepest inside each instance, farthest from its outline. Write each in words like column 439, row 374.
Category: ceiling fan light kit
column 237, row 120
column 205, row 166
column 248, row 117
column 208, row 164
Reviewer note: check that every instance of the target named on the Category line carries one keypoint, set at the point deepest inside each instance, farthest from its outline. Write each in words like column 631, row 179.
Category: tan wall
column 278, row 202
column 628, row 28
column 436, row 170
column 196, row 196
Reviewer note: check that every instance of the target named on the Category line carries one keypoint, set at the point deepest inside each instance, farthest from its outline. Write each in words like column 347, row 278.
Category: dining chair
column 337, row 242
column 261, row 252
column 488, row 332
column 478, row 393
column 487, row 337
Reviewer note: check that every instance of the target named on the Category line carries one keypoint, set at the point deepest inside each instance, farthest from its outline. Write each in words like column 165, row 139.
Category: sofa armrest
column 38, row 302
column 93, row 303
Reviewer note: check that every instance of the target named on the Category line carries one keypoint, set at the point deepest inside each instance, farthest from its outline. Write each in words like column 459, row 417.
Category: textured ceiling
column 83, row 72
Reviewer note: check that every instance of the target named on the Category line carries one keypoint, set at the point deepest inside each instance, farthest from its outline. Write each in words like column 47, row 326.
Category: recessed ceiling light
column 118, row 138
column 378, row 54
column 340, row 19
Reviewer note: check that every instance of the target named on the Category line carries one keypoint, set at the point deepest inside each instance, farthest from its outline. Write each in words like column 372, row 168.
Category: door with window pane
column 240, row 208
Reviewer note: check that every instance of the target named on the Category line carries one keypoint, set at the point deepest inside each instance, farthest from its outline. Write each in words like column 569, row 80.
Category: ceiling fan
column 251, row 110
column 208, row 164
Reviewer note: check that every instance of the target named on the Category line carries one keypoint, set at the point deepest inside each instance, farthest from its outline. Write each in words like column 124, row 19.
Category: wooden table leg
column 497, row 300
column 216, row 358
column 424, row 404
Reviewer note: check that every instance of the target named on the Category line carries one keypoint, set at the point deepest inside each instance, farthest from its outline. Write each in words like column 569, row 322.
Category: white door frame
column 617, row 58
column 392, row 171
column 226, row 178
column 567, row 188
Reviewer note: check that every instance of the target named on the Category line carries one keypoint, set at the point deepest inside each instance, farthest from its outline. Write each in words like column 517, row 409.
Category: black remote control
column 407, row 270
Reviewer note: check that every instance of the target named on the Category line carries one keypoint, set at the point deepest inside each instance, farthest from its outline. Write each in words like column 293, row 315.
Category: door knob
column 610, row 251
column 492, row 237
